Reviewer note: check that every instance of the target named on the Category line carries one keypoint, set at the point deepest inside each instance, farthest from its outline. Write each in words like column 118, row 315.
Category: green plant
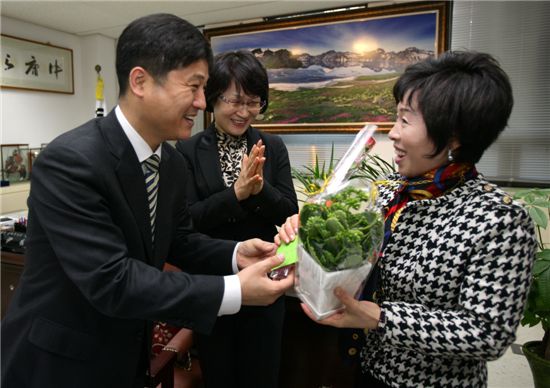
column 334, row 231
column 373, row 167
column 339, row 231
column 313, row 179
column 537, row 203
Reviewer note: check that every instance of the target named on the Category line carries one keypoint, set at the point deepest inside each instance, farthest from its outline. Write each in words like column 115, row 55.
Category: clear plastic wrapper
column 340, row 234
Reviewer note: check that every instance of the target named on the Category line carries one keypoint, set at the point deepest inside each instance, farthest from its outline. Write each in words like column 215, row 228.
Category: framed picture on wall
column 33, row 153
column 31, row 65
column 15, row 162
column 334, row 71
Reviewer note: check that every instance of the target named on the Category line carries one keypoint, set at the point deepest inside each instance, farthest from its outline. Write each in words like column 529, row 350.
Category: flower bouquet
column 340, row 233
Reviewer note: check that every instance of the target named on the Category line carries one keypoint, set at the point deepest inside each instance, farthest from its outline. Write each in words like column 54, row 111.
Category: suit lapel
column 207, row 158
column 252, row 137
column 130, row 176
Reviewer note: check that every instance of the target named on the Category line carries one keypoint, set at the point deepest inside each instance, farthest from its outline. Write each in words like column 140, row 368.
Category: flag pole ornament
column 99, row 98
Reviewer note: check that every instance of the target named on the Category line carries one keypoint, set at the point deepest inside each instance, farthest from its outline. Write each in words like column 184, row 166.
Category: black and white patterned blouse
column 230, row 150
column 456, row 272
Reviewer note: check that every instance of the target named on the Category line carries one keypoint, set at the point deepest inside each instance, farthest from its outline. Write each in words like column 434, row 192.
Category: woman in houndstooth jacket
column 453, row 277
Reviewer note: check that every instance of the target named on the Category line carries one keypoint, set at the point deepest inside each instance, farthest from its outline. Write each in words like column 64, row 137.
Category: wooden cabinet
column 12, row 267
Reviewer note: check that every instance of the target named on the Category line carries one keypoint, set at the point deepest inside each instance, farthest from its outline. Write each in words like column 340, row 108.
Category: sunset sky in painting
column 394, row 33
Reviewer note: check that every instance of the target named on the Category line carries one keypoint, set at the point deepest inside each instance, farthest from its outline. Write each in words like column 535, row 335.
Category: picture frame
column 334, row 71
column 31, row 65
column 33, row 154
column 15, row 162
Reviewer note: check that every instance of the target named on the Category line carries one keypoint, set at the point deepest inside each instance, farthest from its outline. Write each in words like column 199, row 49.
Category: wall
column 37, row 117
column 98, row 50
column 517, row 34
column 34, row 118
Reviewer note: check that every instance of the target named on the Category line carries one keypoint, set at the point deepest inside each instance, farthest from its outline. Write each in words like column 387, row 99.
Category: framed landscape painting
column 334, row 71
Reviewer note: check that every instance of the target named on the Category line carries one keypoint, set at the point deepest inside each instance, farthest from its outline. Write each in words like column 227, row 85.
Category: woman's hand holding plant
column 355, row 314
column 288, row 230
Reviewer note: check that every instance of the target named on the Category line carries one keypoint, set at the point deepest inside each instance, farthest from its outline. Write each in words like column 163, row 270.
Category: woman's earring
column 450, row 156
column 259, row 116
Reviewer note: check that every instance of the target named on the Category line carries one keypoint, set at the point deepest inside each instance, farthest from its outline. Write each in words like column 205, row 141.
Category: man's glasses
column 236, row 103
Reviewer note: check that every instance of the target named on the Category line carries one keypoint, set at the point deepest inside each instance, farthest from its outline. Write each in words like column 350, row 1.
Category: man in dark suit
column 98, row 234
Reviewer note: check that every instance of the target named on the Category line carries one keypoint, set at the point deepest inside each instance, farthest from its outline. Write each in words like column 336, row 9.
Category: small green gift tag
column 290, row 252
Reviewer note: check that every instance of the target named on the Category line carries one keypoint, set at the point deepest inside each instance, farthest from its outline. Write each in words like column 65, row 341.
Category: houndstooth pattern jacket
column 455, row 273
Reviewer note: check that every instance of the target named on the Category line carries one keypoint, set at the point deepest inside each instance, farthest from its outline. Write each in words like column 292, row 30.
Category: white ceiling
column 110, row 17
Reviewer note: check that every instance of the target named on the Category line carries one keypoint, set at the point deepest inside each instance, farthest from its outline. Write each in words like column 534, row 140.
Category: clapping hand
column 251, row 180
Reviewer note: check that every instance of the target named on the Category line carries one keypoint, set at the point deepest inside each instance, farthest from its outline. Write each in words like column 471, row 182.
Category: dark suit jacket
column 215, row 208
column 231, row 356
column 92, row 282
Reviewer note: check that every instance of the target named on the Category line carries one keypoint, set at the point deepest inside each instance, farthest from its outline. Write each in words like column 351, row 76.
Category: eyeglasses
column 238, row 104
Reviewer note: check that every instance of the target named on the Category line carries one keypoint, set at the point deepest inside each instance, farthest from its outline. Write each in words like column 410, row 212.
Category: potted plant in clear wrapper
column 537, row 310
column 340, row 233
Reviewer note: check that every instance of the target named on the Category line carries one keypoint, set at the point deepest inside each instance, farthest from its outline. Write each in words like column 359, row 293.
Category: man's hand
column 288, row 230
column 254, row 250
column 355, row 314
column 250, row 180
column 259, row 290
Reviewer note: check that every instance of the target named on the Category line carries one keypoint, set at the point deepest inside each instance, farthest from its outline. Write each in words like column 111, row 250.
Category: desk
column 12, row 267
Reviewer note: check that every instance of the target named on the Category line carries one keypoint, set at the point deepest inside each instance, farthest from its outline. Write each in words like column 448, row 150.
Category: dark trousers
column 243, row 350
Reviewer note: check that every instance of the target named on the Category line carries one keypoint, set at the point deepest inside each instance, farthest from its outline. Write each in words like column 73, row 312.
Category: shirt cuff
column 231, row 301
column 234, row 259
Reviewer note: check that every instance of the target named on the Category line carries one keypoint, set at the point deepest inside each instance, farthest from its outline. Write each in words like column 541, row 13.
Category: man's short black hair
column 241, row 67
column 462, row 95
column 159, row 43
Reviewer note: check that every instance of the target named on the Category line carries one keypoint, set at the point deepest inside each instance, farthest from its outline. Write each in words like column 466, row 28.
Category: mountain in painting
column 376, row 60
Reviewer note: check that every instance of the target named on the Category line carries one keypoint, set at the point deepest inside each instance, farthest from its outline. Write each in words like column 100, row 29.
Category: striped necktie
column 152, row 185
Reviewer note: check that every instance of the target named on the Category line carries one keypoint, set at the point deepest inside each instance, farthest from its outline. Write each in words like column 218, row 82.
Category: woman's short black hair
column 159, row 43
column 462, row 95
column 241, row 67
